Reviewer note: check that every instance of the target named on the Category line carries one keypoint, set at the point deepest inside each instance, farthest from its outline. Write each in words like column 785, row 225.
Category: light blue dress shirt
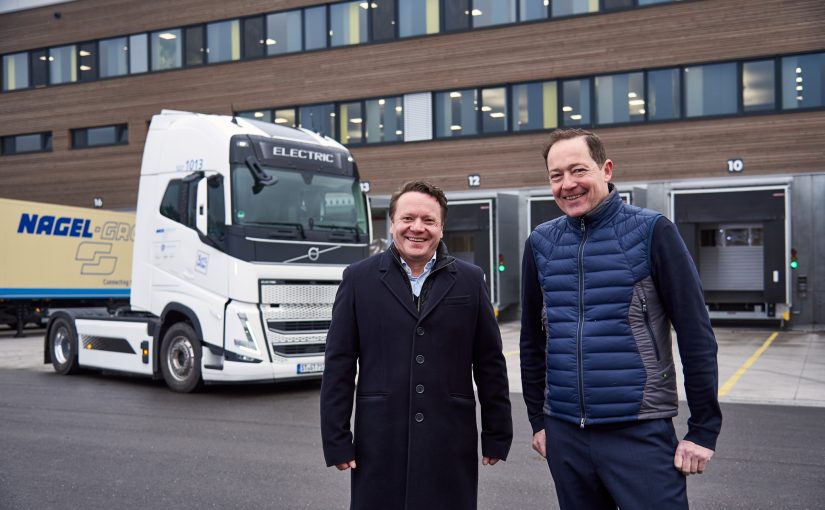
column 417, row 282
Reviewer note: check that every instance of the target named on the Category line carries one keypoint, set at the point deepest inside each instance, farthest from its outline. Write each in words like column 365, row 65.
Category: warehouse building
column 713, row 112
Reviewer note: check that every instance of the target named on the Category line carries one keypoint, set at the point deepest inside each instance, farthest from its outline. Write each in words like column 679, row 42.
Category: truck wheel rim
column 181, row 358
column 62, row 345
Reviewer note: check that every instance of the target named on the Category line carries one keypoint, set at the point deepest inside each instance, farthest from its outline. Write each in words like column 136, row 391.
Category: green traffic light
column 794, row 264
column 501, row 268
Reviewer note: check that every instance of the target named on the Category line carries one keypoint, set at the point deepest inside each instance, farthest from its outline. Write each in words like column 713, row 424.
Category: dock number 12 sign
column 474, row 180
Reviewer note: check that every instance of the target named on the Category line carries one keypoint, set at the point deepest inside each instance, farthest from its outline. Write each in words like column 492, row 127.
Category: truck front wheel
column 180, row 358
column 63, row 347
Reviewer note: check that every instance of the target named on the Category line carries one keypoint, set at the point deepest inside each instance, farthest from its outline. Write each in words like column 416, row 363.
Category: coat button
column 419, row 331
column 419, row 359
column 419, row 388
column 419, row 417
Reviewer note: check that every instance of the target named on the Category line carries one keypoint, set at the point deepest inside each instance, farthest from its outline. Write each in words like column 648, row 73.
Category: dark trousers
column 629, row 466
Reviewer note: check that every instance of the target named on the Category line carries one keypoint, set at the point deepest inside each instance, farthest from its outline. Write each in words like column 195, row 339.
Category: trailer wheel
column 63, row 347
column 180, row 358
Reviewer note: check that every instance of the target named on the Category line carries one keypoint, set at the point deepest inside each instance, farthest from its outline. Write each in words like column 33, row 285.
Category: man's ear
column 607, row 168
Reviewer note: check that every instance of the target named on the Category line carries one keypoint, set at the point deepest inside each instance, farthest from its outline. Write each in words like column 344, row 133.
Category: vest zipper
column 579, row 362
column 649, row 329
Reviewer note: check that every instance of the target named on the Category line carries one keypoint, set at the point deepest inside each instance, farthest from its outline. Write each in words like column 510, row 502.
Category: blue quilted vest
column 587, row 269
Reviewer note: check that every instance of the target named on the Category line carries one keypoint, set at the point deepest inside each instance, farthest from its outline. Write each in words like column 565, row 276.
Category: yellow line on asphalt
column 510, row 353
column 730, row 383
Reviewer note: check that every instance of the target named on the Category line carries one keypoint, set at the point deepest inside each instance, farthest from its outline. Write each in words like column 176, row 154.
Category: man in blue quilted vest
column 601, row 287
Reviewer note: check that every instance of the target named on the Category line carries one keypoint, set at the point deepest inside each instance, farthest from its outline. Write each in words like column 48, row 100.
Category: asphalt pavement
column 101, row 441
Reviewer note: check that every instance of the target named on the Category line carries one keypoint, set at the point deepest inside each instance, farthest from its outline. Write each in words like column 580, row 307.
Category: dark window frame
column 79, row 137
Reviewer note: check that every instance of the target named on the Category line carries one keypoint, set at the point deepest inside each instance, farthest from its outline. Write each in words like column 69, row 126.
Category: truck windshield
column 306, row 200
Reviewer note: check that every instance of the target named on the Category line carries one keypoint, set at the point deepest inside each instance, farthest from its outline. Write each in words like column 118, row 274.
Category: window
column 534, row 106
column 494, row 110
column 456, row 15
column 315, row 28
column 418, row 17
column 194, row 45
column 262, row 115
column 803, row 81
column 138, row 53
column 22, row 144
column 15, row 71
column 617, row 4
column 254, row 42
column 167, row 51
column 319, row 118
column 663, row 94
column 350, row 122
column 283, row 32
column 87, row 60
column 100, row 136
column 620, row 98
column 758, row 86
column 114, row 57
column 385, row 120
column 576, row 102
column 493, row 12
column 455, row 113
column 170, row 204
column 383, row 20
column 215, row 209
column 710, row 90
column 223, row 41
column 533, row 9
column 571, row 7
column 284, row 116
column 348, row 23
column 63, row 64
column 39, row 65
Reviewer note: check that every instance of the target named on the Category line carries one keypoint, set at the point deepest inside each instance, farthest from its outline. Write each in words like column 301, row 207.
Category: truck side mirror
column 200, row 207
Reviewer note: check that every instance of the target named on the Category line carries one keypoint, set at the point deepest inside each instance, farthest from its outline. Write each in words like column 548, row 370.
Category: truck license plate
column 310, row 368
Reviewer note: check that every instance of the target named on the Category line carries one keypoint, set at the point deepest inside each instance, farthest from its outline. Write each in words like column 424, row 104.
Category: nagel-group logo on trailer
column 95, row 257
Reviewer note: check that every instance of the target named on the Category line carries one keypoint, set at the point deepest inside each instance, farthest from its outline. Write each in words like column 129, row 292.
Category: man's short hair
column 425, row 187
column 594, row 143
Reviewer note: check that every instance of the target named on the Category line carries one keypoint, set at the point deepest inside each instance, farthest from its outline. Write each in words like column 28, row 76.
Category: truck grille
column 297, row 315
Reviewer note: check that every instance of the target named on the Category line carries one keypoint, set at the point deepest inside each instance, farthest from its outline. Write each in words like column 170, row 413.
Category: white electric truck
column 242, row 232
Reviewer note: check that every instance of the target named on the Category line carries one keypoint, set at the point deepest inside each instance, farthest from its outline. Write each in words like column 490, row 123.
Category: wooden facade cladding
column 692, row 31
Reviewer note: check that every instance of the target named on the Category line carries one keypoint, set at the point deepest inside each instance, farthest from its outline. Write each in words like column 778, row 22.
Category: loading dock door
column 737, row 238
column 468, row 235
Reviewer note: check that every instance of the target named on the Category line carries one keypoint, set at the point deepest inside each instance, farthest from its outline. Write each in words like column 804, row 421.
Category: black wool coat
column 415, row 438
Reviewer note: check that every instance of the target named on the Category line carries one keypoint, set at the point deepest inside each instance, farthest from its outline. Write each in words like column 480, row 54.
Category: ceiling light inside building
column 168, row 36
column 356, row 120
column 477, row 12
column 455, row 94
column 486, row 108
column 381, row 102
column 270, row 42
column 497, row 115
column 455, row 127
column 636, row 102
column 84, row 53
column 631, row 95
column 398, row 109
column 576, row 117
column 280, row 120
column 567, row 108
column 259, row 115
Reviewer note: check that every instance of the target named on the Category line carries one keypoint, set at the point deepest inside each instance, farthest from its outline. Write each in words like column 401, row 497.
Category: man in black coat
column 416, row 326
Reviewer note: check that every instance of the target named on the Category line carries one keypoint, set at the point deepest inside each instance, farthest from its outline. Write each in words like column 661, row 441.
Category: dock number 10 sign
column 735, row 166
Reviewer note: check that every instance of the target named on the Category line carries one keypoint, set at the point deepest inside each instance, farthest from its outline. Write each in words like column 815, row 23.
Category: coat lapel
column 442, row 283
column 393, row 279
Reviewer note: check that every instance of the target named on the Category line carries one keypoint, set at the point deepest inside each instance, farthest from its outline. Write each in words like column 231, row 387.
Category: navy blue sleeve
column 533, row 341
column 680, row 290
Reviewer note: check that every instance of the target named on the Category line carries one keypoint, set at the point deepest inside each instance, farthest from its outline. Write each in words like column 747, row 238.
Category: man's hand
column 690, row 458
column 488, row 461
column 346, row 465
column 540, row 443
